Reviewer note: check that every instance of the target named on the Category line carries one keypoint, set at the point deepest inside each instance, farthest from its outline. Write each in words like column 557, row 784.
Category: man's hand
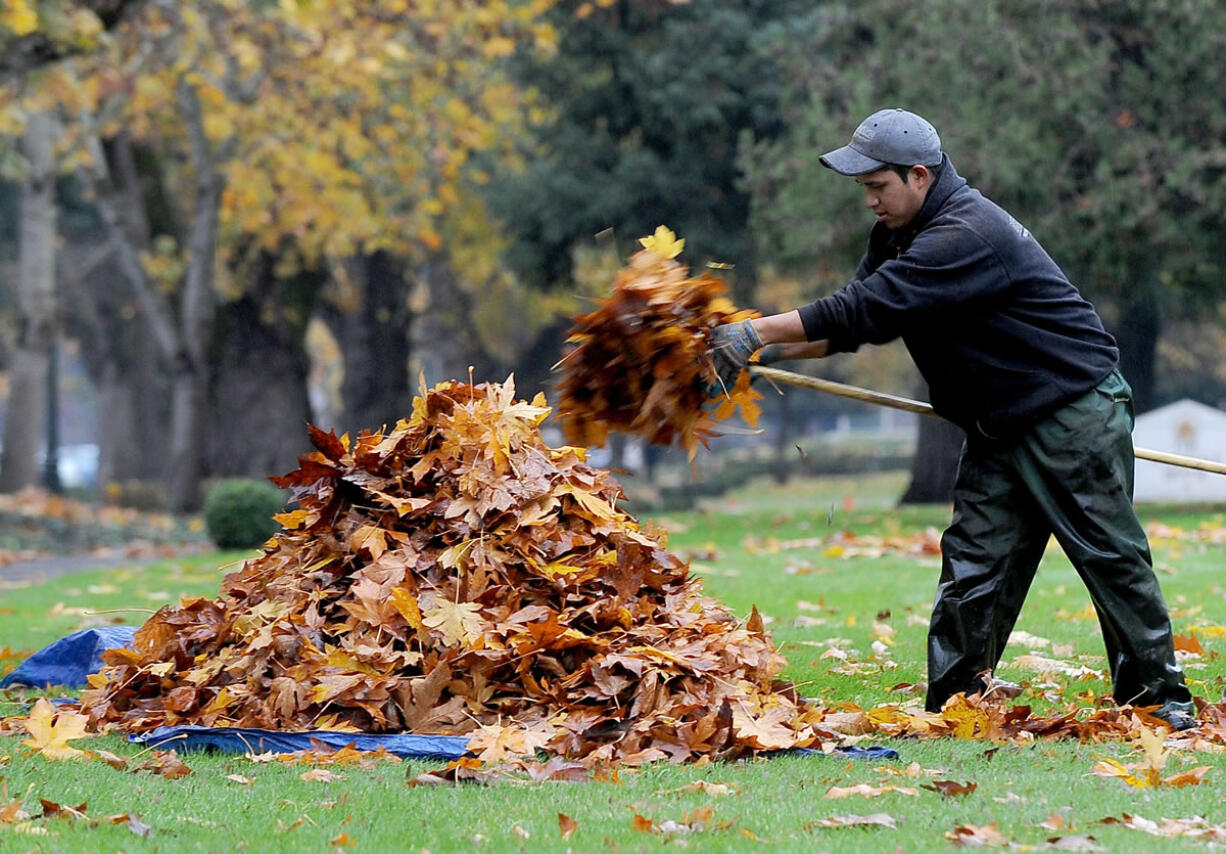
column 731, row 346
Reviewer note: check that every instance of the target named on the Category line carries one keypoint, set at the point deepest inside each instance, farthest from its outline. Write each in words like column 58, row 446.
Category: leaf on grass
column 863, row 790
column 53, row 810
column 878, row 819
column 972, row 836
column 704, row 787
column 119, row 763
column 320, row 775
column 1188, row 644
column 951, row 788
column 1079, row 842
column 50, row 731
column 239, row 778
column 566, row 825
column 1194, row 828
column 166, row 763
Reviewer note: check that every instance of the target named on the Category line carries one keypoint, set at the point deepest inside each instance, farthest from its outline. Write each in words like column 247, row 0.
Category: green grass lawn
column 767, row 546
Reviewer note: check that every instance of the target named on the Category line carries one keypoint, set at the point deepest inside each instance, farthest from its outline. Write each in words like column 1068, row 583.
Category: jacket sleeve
column 946, row 265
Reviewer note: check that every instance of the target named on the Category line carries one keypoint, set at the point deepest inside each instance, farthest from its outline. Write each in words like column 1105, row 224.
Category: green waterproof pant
column 1070, row 476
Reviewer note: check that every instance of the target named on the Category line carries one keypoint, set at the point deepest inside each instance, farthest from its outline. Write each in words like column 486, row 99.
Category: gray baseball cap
column 884, row 138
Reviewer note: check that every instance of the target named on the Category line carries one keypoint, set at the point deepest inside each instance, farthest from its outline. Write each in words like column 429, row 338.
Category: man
column 1016, row 357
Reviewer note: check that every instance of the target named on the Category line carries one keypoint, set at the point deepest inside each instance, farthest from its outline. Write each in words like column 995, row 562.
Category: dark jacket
column 997, row 330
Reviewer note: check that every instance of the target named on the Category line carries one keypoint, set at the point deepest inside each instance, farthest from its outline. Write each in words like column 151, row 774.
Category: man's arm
column 778, row 336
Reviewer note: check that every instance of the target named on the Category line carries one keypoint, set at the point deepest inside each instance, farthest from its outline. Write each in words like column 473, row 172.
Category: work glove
column 731, row 346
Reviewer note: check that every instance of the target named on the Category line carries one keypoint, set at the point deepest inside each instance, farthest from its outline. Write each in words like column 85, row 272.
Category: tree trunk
column 26, row 413
column 935, row 464
column 1140, row 324
column 785, row 456
column 258, row 404
column 106, row 315
column 190, row 375
column 374, row 339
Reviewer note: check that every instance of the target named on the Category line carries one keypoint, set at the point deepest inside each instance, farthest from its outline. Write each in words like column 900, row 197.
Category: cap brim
column 848, row 161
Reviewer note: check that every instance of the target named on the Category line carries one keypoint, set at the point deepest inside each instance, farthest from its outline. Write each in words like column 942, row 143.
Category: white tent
column 1184, row 427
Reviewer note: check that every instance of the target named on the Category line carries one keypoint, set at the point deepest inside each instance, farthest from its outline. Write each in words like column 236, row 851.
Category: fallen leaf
column 1080, row 842
column 320, row 775
column 866, row 791
column 950, row 788
column 166, row 764
column 878, row 819
column 566, row 825
column 53, row 810
column 50, row 731
column 971, row 836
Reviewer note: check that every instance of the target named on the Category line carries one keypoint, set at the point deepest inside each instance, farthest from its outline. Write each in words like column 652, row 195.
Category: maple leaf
column 494, row 743
column 50, row 731
column 459, row 622
column 767, row 731
column 663, row 243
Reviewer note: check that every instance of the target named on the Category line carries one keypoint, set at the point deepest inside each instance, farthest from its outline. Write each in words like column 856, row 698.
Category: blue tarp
column 249, row 740
column 69, row 660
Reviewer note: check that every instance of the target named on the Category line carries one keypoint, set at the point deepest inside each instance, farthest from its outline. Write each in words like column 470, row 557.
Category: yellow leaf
column 459, row 622
column 291, row 520
column 1111, row 768
column 50, row 732
column 406, row 604
column 663, row 243
column 19, row 18
column 370, row 538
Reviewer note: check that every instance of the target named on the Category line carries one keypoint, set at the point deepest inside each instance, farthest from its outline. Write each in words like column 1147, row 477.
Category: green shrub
column 238, row 512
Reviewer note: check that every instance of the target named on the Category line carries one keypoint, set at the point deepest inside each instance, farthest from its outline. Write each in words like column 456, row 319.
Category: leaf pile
column 457, row 576
column 641, row 363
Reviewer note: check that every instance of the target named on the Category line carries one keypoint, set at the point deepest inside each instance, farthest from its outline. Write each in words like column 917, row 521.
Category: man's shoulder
column 971, row 211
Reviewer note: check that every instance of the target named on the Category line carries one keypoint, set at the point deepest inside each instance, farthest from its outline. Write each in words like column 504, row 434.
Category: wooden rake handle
column 909, row 405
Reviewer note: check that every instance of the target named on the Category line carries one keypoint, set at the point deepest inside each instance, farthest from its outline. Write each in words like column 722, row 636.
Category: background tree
column 1084, row 121
column 288, row 138
column 38, row 309
column 648, row 103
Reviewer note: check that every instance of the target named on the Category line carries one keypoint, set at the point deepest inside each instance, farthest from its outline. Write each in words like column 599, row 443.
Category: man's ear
column 921, row 175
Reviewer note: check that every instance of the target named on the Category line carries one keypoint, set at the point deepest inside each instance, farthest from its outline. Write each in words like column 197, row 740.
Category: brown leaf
column 971, row 836
column 53, row 810
column 165, row 763
column 566, row 825
column 950, row 788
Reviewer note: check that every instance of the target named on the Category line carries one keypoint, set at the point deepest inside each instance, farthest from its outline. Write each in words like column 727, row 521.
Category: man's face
column 893, row 201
